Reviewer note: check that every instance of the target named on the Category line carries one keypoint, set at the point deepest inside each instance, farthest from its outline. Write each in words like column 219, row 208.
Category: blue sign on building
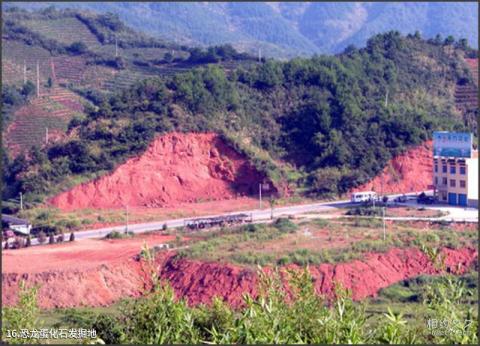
column 452, row 144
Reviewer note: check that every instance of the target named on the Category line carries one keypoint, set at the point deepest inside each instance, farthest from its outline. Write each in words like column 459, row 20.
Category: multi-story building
column 455, row 169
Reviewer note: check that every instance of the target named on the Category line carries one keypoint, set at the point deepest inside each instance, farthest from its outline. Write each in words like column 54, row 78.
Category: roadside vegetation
column 315, row 241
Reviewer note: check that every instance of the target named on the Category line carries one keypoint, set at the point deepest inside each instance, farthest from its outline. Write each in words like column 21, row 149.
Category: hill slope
column 290, row 29
column 79, row 56
column 322, row 124
column 175, row 168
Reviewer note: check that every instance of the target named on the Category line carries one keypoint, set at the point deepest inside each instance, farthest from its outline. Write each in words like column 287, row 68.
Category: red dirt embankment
column 98, row 282
column 176, row 168
column 200, row 282
column 410, row 171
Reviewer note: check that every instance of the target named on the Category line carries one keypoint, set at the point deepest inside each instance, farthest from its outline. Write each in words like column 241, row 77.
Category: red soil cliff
column 199, row 282
column 175, row 168
column 410, row 171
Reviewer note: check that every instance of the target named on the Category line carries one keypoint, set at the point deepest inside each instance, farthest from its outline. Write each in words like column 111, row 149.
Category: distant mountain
column 288, row 29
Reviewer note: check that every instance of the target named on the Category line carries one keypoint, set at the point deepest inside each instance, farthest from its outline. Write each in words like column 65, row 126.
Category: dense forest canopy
column 328, row 117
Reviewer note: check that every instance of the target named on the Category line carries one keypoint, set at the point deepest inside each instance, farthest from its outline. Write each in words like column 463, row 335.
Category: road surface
column 257, row 215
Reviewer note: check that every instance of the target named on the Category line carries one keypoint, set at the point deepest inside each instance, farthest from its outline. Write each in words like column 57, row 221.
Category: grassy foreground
column 439, row 310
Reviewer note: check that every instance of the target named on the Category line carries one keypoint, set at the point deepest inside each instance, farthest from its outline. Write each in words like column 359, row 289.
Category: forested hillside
column 288, row 29
column 327, row 123
column 83, row 53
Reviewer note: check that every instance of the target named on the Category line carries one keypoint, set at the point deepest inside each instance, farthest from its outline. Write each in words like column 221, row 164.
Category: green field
column 315, row 241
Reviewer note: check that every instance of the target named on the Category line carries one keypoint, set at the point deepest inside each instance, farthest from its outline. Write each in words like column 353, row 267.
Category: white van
column 359, row 197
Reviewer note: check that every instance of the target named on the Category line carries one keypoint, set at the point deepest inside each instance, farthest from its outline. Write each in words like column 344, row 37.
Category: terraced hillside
column 52, row 110
column 466, row 94
column 16, row 55
column 65, row 30
column 473, row 64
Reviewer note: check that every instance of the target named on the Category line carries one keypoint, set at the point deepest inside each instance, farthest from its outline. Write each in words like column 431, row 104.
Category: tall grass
column 274, row 316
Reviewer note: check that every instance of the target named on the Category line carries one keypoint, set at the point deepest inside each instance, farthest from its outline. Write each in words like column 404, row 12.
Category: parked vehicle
column 218, row 221
column 401, row 199
column 424, row 199
column 367, row 196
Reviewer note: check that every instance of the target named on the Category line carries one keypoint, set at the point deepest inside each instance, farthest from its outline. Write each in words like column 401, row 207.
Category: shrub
column 41, row 237
column 323, row 223
column 118, row 235
column 164, row 227
column 51, row 239
column 60, row 238
column 365, row 211
column 367, row 222
column 72, row 236
column 18, row 243
column 253, row 228
column 78, row 48
column 285, row 225
column 29, row 242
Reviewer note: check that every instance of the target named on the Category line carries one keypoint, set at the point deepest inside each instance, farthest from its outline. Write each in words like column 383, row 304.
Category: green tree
column 78, row 48
column 22, row 316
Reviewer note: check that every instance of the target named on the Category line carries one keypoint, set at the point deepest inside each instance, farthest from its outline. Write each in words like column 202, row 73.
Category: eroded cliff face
column 411, row 171
column 176, row 168
column 199, row 282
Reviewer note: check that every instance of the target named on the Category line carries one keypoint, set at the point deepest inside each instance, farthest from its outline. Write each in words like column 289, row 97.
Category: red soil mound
column 175, row 168
column 200, row 282
column 102, row 282
column 411, row 171
column 83, row 273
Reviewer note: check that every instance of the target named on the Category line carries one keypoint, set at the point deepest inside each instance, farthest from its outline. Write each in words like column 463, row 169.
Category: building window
column 436, row 168
column 444, row 181
column 452, row 183
column 444, row 169
column 462, row 183
column 462, row 170
column 453, row 170
column 436, row 181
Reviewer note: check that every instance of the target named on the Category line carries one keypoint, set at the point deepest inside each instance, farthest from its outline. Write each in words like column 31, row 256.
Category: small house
column 15, row 224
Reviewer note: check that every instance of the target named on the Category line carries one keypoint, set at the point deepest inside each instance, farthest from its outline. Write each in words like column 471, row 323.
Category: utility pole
column 21, row 201
column 260, row 194
column 383, row 217
column 38, row 80
column 383, row 177
column 386, row 99
column 272, row 205
column 116, row 46
column 259, row 54
column 24, row 72
column 46, row 135
column 52, row 66
column 126, row 227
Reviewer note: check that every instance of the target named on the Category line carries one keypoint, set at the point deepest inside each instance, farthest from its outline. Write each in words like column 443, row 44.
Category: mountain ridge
column 285, row 30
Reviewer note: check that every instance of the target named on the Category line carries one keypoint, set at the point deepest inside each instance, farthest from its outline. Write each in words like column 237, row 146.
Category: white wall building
column 455, row 169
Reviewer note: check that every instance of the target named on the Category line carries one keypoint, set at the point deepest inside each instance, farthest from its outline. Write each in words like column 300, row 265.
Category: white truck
column 366, row 196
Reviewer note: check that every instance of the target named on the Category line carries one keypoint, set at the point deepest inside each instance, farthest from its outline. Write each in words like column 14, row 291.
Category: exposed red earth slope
column 98, row 273
column 411, row 171
column 199, row 282
column 175, row 168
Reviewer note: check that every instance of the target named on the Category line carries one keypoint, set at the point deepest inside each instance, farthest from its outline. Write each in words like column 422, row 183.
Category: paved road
column 257, row 215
